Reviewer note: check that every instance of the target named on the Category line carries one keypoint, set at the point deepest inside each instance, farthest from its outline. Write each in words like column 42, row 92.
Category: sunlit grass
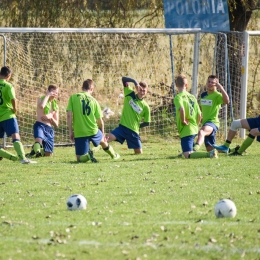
column 152, row 206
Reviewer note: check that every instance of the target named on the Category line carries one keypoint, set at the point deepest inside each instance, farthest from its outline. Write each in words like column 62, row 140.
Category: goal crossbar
column 100, row 30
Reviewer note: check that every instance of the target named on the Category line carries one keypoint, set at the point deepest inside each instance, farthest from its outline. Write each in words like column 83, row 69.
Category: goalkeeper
column 47, row 118
column 135, row 110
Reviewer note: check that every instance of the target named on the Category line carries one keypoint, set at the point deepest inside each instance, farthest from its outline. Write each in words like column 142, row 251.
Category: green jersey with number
column 134, row 111
column 85, row 110
column 191, row 111
column 210, row 106
column 7, row 93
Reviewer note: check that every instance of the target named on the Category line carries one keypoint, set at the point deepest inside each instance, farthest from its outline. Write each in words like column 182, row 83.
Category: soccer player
column 135, row 110
column 47, row 117
column 210, row 103
column 251, row 124
column 8, row 120
column 188, row 116
column 85, row 124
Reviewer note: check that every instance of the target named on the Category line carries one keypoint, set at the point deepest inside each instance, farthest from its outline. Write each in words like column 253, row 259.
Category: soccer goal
column 65, row 56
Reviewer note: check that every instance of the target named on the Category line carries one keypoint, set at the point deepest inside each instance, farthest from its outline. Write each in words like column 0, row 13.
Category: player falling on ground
column 188, row 116
column 135, row 110
column 210, row 103
column 251, row 124
column 8, row 121
column 85, row 124
column 47, row 118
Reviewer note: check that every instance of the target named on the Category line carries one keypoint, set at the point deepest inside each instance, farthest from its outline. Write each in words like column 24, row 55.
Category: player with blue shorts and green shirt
column 188, row 116
column 85, row 124
column 8, row 121
column 210, row 104
column 135, row 115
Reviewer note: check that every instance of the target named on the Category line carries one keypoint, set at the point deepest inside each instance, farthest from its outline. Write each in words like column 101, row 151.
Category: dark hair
column 212, row 77
column 5, row 71
column 52, row 87
column 143, row 84
column 88, row 84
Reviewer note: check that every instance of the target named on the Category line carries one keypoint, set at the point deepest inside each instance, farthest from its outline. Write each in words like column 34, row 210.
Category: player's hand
column 72, row 136
column 185, row 122
column 106, row 138
column 51, row 94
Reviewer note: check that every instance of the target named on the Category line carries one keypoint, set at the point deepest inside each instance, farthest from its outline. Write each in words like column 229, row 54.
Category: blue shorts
column 254, row 123
column 82, row 143
column 187, row 143
column 9, row 126
column 46, row 133
column 123, row 133
column 211, row 139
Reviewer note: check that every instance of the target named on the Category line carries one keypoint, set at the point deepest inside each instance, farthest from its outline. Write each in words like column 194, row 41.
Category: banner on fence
column 209, row 15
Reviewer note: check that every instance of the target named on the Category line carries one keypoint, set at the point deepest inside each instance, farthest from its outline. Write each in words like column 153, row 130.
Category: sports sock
column 37, row 147
column 109, row 150
column 84, row 158
column 248, row 141
column 19, row 149
column 7, row 155
column 196, row 147
column 196, row 155
column 227, row 143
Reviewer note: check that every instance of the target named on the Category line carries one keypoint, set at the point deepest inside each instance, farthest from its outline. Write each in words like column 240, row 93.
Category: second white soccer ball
column 225, row 209
column 76, row 202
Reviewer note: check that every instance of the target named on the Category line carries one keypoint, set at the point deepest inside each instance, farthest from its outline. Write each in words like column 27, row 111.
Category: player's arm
column 126, row 80
column 69, row 123
column 225, row 96
column 14, row 104
column 54, row 120
column 100, row 124
column 144, row 124
column 182, row 116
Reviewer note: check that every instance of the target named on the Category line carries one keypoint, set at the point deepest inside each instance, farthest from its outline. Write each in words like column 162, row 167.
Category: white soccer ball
column 76, row 202
column 225, row 209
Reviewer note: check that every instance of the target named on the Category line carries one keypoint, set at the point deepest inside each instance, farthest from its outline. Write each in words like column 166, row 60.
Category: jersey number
column 85, row 107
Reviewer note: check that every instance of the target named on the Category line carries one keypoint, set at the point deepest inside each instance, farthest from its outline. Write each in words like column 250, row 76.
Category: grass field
column 152, row 206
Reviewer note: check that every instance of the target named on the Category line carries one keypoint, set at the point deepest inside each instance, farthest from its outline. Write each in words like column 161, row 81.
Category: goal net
column 39, row 57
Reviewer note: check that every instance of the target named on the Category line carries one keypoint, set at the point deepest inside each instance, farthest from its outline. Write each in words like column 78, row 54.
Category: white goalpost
column 66, row 56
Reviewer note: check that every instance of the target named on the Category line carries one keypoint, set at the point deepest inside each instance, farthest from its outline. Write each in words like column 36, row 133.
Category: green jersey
column 210, row 106
column 134, row 111
column 85, row 110
column 7, row 93
column 191, row 111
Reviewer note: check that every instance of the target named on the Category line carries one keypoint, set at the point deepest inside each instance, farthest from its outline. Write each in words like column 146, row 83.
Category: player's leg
column 204, row 131
column 4, row 153
column 235, row 125
column 7, row 155
column 38, row 132
column 133, row 141
column 19, row 149
column 48, row 142
column 248, row 141
column 100, row 139
column 187, row 148
column 82, row 149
